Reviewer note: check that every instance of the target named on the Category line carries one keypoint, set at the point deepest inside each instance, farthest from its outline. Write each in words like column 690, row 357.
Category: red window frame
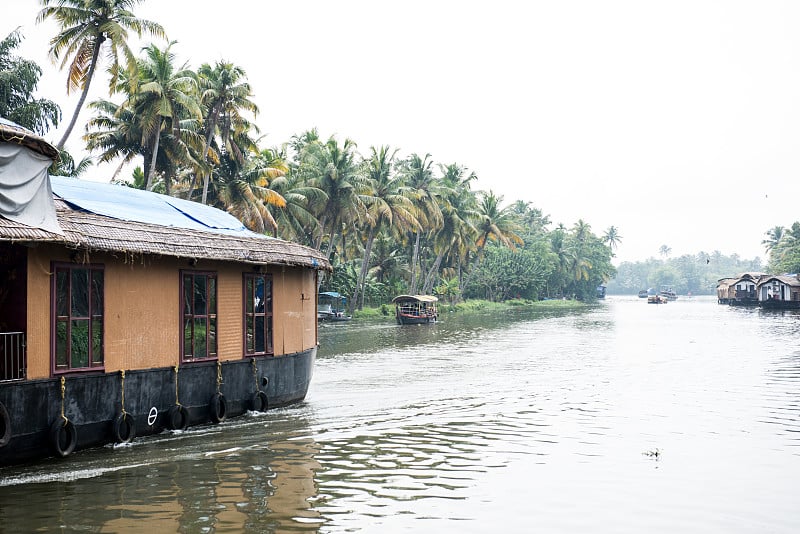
column 77, row 310
column 257, row 315
column 198, row 308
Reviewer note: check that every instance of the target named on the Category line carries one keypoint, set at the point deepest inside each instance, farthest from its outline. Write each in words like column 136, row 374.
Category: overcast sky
column 675, row 121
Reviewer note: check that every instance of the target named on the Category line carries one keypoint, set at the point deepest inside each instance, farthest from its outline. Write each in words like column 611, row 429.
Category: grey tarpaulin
column 25, row 193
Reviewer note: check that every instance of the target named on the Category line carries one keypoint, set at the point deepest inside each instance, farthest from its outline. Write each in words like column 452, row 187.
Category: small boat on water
column 415, row 309
column 668, row 293
column 655, row 297
column 331, row 307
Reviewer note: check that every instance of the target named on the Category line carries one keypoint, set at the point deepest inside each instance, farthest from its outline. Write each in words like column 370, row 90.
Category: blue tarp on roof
column 128, row 204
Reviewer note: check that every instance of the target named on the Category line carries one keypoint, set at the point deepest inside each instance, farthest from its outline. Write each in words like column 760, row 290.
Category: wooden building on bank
column 125, row 312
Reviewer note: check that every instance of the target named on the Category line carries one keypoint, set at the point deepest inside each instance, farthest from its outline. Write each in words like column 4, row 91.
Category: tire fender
column 124, row 428
column 63, row 437
column 5, row 426
column 219, row 407
column 259, row 402
column 178, row 418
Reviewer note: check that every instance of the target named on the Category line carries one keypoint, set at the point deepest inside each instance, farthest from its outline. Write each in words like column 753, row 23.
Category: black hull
column 92, row 402
column 404, row 319
column 780, row 304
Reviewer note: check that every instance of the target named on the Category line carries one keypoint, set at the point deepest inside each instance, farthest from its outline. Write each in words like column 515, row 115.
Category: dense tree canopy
column 389, row 224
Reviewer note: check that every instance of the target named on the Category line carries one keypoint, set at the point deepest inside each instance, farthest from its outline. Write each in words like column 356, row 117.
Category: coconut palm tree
column 418, row 175
column 612, row 237
column 457, row 234
column 495, row 223
column 332, row 168
column 87, row 27
column 774, row 236
column 664, row 250
column 390, row 205
column 224, row 94
column 165, row 95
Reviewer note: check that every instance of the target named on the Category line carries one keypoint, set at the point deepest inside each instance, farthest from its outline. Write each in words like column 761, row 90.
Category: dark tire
column 219, row 407
column 63, row 437
column 124, row 428
column 260, row 403
column 5, row 426
column 178, row 418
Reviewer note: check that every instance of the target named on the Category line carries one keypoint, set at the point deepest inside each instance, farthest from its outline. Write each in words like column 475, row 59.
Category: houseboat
column 778, row 292
column 125, row 312
column 415, row 309
column 739, row 290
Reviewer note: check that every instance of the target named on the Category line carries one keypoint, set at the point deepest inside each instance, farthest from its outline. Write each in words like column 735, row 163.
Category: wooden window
column 257, row 314
column 76, row 318
column 198, row 315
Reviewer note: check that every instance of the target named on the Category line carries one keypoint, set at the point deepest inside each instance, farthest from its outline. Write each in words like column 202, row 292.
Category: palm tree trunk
column 362, row 276
column 84, row 94
column 414, row 261
column 428, row 286
column 149, row 186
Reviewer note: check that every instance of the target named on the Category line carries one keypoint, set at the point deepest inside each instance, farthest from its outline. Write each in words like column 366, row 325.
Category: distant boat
column 415, row 309
column 643, row 294
column 331, row 307
column 668, row 293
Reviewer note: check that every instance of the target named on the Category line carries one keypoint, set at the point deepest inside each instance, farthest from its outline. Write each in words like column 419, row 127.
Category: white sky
column 676, row 121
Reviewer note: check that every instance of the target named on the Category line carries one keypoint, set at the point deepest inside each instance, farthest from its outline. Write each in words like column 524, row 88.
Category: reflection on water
column 625, row 417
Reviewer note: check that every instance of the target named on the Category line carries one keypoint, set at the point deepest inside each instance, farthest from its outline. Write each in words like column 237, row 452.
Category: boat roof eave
column 415, row 298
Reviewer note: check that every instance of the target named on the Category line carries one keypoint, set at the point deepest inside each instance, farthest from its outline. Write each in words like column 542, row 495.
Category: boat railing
column 13, row 360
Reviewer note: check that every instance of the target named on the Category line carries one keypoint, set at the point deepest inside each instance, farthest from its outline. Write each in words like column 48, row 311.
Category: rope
column 176, row 386
column 122, row 374
column 63, row 391
column 219, row 374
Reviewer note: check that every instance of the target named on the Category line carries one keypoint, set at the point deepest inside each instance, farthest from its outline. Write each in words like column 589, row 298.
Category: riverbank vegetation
column 477, row 306
column 389, row 223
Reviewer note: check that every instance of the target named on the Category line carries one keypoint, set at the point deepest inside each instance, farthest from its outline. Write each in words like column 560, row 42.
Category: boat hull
column 92, row 403
column 409, row 319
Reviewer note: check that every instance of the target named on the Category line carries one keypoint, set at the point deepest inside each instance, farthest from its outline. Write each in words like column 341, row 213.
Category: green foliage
column 18, row 80
column 783, row 245
column 504, row 274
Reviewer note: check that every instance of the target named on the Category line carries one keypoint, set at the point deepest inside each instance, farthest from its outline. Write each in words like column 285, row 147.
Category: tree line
column 390, row 224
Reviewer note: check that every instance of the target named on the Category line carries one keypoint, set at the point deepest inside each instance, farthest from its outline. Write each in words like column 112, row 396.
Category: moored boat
column 415, row 309
column 125, row 313
column 331, row 307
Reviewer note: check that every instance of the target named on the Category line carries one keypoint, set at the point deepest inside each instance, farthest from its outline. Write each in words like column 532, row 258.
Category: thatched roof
column 91, row 232
column 11, row 132
column 789, row 280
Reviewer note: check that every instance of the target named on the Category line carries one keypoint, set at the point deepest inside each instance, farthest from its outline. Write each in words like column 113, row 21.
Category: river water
column 623, row 417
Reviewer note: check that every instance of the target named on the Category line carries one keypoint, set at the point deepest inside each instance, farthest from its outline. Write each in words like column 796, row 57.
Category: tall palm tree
column 612, row 237
column 390, row 205
column 86, row 27
column 495, row 223
column 166, row 95
column 664, row 250
column 332, row 168
column 418, row 175
column 225, row 94
column 457, row 234
column 774, row 236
